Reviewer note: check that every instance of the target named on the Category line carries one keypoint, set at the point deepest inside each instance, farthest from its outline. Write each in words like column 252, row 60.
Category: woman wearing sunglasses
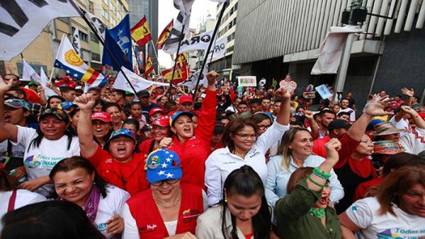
column 168, row 209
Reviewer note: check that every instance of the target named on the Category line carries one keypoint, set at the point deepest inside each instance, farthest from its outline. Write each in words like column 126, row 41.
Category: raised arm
column 7, row 131
column 298, row 202
column 374, row 107
column 88, row 146
column 419, row 122
column 283, row 116
column 208, row 112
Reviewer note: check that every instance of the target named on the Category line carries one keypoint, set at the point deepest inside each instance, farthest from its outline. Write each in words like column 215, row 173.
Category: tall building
column 274, row 37
column 227, row 29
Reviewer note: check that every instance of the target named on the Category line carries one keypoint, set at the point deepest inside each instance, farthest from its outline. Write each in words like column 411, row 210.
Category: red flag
column 164, row 35
column 141, row 33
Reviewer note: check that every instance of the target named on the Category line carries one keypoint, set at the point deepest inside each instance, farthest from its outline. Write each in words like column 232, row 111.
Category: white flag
column 22, row 21
column 138, row 82
column 331, row 50
column 184, row 6
column 191, row 82
column 28, row 73
column 68, row 60
column 218, row 51
column 97, row 23
column 76, row 41
column 220, row 1
column 43, row 82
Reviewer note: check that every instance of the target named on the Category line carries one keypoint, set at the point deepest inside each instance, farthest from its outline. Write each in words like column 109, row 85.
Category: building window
column 84, row 36
column 91, row 7
column 95, row 57
column 93, row 37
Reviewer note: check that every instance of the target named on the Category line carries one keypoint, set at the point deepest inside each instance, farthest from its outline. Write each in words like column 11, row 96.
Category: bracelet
column 315, row 183
column 321, row 174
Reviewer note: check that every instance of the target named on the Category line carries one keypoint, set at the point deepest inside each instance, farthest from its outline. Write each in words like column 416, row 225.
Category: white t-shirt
column 365, row 214
column 39, row 161
column 23, row 198
column 109, row 206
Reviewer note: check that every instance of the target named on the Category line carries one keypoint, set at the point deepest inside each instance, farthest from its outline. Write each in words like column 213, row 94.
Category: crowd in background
column 228, row 163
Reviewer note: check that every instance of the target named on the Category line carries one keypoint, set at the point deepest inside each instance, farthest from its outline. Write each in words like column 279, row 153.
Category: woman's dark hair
column 260, row 117
column 246, row 182
column 54, row 97
column 68, row 164
column 297, row 176
column 133, row 122
column 69, row 132
column 233, row 128
column 399, row 160
column 397, row 183
column 110, row 104
column 49, row 220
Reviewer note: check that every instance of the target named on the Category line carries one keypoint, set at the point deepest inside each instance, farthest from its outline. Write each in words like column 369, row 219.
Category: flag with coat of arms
column 68, row 60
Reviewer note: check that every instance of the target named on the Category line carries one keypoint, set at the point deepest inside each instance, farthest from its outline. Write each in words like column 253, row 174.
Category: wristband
column 321, row 174
column 315, row 183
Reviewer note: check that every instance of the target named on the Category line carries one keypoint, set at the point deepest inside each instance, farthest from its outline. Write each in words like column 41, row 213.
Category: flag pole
column 177, row 54
column 154, row 51
column 103, row 43
column 209, row 48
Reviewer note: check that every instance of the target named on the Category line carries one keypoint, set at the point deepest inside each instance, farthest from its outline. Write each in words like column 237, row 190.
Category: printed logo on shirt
column 101, row 227
column 190, row 214
column 41, row 161
column 399, row 233
column 148, row 227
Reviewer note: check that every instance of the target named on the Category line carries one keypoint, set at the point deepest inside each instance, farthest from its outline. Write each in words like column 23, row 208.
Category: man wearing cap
column 160, row 130
column 336, row 128
column 102, row 127
column 116, row 162
column 193, row 145
column 169, row 208
column 11, row 154
column 185, row 103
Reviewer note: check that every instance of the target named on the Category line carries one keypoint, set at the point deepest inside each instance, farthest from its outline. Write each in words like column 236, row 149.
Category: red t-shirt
column 319, row 146
column 365, row 187
column 130, row 176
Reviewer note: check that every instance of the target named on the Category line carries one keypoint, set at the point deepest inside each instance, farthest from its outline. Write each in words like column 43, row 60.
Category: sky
column 200, row 10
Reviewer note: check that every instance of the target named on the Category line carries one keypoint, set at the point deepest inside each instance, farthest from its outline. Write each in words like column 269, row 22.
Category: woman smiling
column 76, row 181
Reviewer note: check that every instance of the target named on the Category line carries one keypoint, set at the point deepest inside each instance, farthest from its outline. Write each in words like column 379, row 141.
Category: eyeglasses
column 263, row 127
column 247, row 136
column 168, row 181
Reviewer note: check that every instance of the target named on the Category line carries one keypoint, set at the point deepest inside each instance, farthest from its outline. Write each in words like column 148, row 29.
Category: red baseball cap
column 163, row 121
column 185, row 99
column 154, row 111
column 102, row 116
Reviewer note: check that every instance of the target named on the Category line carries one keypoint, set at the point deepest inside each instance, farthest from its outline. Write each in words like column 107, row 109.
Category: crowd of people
column 159, row 163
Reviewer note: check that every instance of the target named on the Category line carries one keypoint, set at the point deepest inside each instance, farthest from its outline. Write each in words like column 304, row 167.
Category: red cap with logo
column 163, row 121
column 102, row 116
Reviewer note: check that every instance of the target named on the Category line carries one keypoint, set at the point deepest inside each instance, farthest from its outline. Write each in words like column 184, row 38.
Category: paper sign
column 247, row 81
column 323, row 91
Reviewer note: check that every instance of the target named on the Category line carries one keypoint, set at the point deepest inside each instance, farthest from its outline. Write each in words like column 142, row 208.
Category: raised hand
column 212, row 77
column 376, row 106
column 409, row 110
column 332, row 148
column 409, row 92
column 284, row 93
column 85, row 102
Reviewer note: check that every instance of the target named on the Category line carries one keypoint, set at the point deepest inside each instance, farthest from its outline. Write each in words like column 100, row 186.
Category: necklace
column 317, row 212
